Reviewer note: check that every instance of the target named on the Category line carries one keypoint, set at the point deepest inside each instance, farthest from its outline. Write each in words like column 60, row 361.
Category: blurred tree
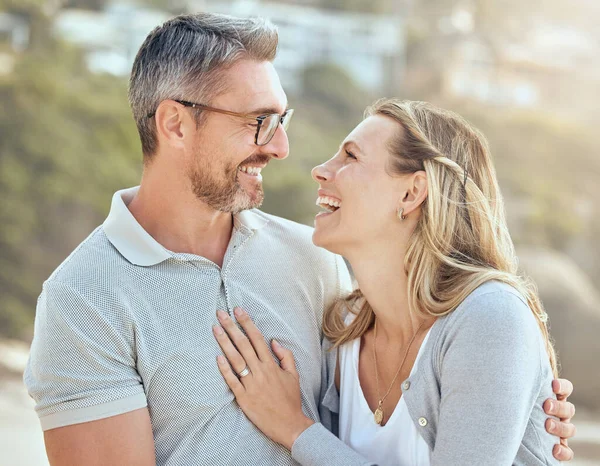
column 96, row 5
column 66, row 143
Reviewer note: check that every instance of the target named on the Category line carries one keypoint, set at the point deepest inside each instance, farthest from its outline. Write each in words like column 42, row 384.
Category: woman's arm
column 491, row 367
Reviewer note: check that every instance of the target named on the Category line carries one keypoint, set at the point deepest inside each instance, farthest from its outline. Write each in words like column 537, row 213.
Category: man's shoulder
column 298, row 238
column 95, row 259
column 293, row 234
column 302, row 231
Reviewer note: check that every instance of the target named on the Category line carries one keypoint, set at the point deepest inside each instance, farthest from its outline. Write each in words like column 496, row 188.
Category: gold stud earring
column 401, row 215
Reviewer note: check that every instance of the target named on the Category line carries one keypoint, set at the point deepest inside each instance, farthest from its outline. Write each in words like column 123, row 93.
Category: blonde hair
column 461, row 239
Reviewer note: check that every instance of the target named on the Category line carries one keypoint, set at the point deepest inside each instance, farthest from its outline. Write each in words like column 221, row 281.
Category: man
column 122, row 364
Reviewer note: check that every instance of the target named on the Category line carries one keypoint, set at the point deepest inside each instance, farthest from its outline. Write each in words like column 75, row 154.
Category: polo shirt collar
column 137, row 245
column 127, row 235
column 250, row 219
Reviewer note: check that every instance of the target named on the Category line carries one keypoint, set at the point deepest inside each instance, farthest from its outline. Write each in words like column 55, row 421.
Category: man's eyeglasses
column 266, row 125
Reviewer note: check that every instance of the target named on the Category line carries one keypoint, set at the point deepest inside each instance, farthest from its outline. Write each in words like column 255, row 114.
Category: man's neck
column 180, row 222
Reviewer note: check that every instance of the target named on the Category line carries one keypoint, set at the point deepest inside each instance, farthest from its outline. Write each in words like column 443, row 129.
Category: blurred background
column 526, row 73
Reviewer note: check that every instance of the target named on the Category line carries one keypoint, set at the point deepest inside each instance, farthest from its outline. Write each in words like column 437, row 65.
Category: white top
column 124, row 323
column 398, row 443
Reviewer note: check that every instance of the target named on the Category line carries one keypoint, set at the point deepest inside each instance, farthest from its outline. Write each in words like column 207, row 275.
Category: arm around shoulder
column 490, row 368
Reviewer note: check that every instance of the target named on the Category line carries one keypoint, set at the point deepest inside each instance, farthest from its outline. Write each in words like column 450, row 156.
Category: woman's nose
column 320, row 173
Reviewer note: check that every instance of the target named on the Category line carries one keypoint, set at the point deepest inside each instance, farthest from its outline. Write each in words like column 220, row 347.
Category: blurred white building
column 111, row 38
column 371, row 48
column 475, row 71
column 536, row 72
column 14, row 38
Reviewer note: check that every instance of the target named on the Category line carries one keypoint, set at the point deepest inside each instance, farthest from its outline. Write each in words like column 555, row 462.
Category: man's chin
column 247, row 201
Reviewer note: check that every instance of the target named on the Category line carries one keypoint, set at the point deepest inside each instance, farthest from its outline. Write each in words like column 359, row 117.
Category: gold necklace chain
column 378, row 414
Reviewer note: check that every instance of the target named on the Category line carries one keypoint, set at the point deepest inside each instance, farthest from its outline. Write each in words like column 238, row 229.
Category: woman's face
column 360, row 199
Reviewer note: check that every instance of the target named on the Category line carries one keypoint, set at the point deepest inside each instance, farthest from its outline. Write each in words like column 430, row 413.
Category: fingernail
column 559, row 450
column 218, row 330
column 276, row 344
column 222, row 315
column 551, row 406
column 552, row 425
column 558, row 387
column 220, row 359
column 238, row 311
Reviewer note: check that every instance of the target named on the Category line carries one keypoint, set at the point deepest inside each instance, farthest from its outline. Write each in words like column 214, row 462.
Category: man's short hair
column 185, row 58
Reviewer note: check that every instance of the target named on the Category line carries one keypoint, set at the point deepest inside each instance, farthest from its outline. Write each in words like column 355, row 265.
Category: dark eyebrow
column 266, row 111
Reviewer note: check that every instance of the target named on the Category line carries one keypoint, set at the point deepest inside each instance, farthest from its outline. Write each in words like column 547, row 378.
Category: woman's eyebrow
column 346, row 144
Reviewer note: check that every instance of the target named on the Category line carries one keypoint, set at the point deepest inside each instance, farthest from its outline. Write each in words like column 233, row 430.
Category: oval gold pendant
column 378, row 415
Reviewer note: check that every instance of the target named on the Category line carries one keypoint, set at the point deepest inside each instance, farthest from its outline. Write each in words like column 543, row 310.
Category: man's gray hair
column 184, row 59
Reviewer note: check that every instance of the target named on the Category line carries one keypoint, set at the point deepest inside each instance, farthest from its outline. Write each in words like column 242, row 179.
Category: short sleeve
column 82, row 362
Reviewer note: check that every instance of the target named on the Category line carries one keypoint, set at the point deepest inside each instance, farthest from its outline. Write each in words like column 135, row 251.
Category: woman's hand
column 564, row 410
column 269, row 394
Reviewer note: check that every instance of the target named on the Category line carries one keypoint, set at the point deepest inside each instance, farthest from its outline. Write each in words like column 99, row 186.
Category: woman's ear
column 416, row 193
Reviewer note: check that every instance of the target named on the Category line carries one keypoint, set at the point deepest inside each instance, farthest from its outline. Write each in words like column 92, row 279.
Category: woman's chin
column 324, row 239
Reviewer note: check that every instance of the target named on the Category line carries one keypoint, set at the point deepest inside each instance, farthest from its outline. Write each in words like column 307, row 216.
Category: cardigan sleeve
column 316, row 446
column 490, row 369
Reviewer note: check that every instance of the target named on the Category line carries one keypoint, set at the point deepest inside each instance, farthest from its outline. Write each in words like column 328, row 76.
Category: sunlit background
column 525, row 72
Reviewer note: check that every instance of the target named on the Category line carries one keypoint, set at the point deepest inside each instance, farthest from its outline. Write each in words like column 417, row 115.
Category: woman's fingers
column 564, row 430
column 562, row 452
column 564, row 410
column 256, row 337
column 286, row 358
column 230, row 378
column 241, row 341
column 236, row 360
column 563, row 388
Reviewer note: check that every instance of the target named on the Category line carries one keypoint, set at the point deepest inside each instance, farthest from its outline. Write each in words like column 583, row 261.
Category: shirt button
column 422, row 421
column 406, row 385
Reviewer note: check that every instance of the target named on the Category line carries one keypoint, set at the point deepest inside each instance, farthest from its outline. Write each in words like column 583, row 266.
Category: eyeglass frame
column 259, row 119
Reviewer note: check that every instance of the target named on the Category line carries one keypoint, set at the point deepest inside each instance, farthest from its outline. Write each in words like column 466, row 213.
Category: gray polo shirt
column 124, row 323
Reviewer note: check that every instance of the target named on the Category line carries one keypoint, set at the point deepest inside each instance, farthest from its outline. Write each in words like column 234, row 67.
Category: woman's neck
column 384, row 283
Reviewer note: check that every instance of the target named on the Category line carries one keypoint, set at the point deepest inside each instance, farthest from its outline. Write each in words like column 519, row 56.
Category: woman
column 443, row 355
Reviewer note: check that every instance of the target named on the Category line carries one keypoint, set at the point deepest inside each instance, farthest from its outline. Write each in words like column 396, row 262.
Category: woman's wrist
column 296, row 430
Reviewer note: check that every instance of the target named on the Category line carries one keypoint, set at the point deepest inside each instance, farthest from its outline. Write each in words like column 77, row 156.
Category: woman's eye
column 350, row 154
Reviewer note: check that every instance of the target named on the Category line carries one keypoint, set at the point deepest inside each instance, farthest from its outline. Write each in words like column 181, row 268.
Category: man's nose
column 279, row 146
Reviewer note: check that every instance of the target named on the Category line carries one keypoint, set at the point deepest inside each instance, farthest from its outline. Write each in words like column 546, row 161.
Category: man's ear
column 416, row 193
column 173, row 122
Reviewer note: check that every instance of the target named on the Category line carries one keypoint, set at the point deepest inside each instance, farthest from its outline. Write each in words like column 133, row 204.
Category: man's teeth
column 251, row 170
column 329, row 203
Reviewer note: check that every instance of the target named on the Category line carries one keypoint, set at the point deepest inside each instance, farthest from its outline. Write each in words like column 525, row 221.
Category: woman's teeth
column 251, row 170
column 329, row 203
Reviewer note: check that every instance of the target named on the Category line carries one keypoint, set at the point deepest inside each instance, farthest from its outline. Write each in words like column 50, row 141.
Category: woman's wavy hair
column 461, row 239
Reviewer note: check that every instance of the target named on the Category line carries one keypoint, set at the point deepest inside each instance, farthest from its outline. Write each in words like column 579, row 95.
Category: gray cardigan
column 476, row 396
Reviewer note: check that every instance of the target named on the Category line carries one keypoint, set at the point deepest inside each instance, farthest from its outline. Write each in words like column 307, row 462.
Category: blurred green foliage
column 66, row 141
